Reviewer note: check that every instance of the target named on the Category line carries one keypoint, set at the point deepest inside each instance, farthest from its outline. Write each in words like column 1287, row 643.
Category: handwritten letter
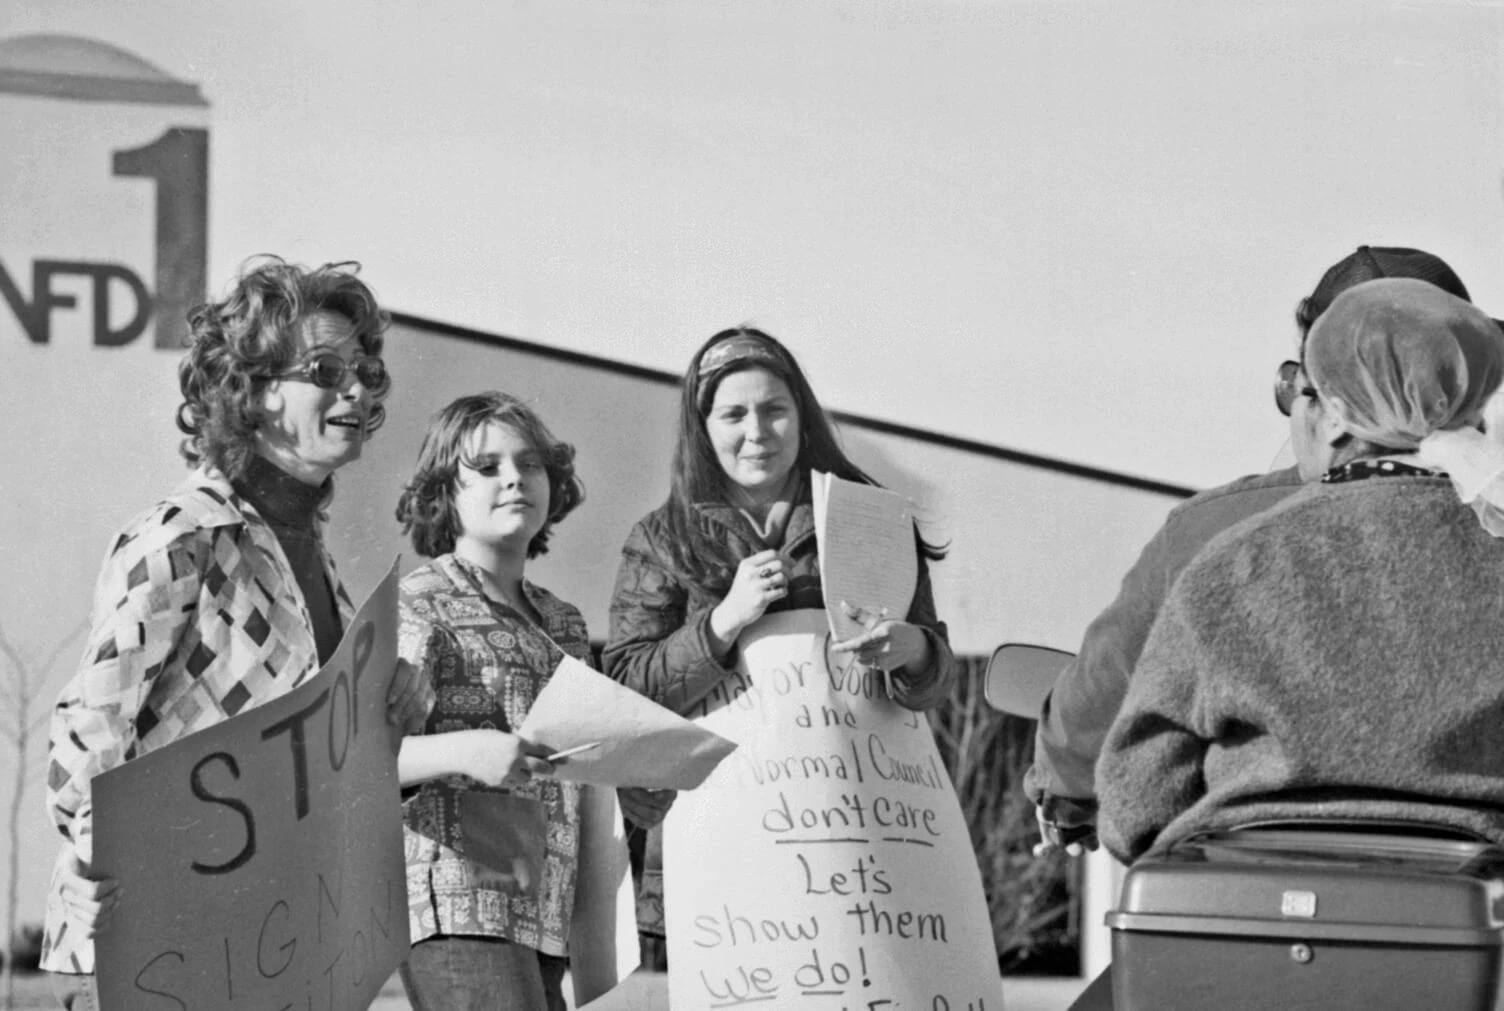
column 867, row 557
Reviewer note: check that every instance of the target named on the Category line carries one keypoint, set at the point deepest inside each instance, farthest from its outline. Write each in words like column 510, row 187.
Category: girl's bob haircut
column 426, row 507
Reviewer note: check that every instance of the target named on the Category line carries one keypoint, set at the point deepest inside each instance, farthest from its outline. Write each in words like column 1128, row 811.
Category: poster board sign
column 826, row 863
column 260, row 861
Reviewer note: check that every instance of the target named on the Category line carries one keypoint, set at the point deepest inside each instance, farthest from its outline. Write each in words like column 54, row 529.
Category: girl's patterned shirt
column 486, row 663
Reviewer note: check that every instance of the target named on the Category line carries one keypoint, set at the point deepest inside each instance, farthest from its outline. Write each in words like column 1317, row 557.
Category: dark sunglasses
column 1287, row 387
column 327, row 370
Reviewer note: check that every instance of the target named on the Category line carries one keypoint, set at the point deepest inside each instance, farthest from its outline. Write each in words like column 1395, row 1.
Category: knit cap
column 1406, row 359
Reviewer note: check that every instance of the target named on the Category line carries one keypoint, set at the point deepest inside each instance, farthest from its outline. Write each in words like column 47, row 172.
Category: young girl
column 490, row 484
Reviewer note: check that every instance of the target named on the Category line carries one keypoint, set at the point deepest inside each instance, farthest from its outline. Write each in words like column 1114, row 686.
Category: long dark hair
column 697, row 476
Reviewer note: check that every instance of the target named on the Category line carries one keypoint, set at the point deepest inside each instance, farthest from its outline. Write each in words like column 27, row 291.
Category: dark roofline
column 661, row 377
column 89, row 88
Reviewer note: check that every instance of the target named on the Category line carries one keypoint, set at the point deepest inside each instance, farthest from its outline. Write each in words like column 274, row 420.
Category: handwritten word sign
column 826, row 863
column 260, row 860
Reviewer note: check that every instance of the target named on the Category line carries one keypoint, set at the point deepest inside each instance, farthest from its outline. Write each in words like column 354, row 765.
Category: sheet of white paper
column 867, row 557
column 641, row 743
column 819, row 482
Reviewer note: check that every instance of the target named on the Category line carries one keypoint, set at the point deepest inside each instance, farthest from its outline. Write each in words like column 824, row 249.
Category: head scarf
column 742, row 346
column 1414, row 369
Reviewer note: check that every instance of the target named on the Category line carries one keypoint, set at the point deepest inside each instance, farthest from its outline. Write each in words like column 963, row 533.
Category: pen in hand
column 559, row 756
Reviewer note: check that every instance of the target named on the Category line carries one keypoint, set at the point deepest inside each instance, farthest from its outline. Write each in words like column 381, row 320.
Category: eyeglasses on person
column 1288, row 387
column 327, row 370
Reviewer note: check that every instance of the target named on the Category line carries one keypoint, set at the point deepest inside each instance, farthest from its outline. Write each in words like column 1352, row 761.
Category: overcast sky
column 1074, row 228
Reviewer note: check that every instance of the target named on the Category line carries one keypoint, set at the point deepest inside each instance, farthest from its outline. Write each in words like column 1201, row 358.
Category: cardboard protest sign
column 260, row 861
column 826, row 863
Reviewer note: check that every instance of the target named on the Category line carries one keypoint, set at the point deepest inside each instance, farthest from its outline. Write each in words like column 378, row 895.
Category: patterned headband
column 743, row 347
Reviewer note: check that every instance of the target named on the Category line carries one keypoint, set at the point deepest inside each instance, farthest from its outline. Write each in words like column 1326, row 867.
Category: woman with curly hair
column 491, row 483
column 282, row 386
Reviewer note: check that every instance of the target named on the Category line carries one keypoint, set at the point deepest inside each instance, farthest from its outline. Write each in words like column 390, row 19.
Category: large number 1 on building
column 179, row 163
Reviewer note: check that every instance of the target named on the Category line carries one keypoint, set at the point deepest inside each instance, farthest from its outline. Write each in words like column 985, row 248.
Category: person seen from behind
column 1087, row 695
column 1337, row 656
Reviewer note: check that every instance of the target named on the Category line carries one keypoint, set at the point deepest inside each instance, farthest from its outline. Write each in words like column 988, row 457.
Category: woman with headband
column 736, row 540
column 1338, row 655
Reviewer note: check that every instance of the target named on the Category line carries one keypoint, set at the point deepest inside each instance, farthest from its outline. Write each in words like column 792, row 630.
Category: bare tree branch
column 13, row 655
column 10, row 691
column 21, row 685
column 57, row 651
column 43, row 675
column 13, row 694
column 12, row 684
column 21, row 688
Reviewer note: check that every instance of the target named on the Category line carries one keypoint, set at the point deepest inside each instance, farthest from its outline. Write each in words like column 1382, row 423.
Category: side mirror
column 1019, row 677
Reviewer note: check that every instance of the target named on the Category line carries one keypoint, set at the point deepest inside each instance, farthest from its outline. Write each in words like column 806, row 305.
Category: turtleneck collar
column 279, row 497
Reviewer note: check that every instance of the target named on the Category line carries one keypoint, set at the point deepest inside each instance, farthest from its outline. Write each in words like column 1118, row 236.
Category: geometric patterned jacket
column 197, row 616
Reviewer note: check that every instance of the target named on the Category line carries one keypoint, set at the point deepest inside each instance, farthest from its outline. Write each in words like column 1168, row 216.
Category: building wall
column 87, row 396
column 1034, row 553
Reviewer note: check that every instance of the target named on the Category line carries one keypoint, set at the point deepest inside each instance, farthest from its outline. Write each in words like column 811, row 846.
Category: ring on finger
column 766, row 572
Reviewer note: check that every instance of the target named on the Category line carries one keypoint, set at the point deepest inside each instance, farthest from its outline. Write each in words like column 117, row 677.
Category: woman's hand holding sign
column 885, row 643
column 645, row 808
column 409, row 699
column 89, row 901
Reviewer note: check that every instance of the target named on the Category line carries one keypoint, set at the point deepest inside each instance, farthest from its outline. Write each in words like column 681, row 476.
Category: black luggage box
column 1302, row 917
